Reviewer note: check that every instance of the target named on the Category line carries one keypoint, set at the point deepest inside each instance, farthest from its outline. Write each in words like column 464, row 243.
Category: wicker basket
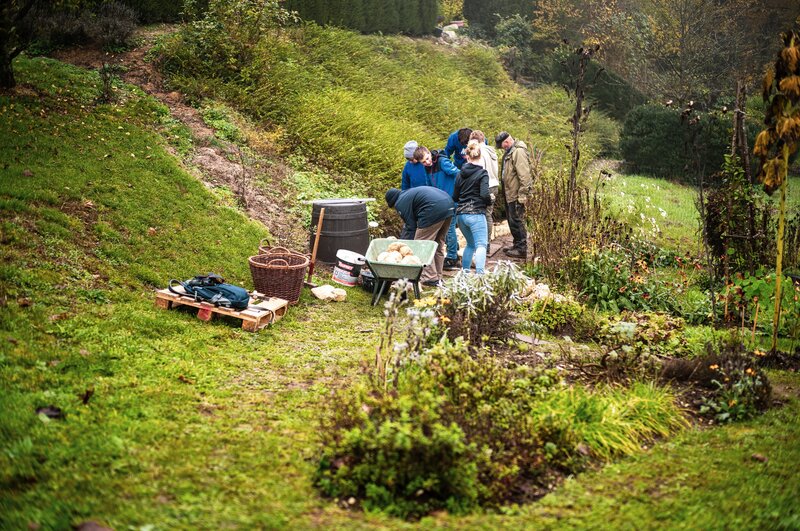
column 279, row 274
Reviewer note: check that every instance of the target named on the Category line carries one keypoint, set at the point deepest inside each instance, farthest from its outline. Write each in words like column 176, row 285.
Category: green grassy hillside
column 350, row 102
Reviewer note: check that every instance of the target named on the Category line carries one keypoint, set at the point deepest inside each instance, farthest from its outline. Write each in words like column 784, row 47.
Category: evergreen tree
column 428, row 11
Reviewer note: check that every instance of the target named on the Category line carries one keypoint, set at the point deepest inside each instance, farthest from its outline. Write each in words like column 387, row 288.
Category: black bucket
column 344, row 226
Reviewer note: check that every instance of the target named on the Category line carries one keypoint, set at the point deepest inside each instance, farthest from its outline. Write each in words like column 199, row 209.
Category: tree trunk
column 7, row 80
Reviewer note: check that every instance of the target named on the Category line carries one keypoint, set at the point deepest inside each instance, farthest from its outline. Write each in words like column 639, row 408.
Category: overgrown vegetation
column 323, row 92
column 458, row 428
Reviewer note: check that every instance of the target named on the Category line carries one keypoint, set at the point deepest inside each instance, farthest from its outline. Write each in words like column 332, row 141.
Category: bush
column 558, row 315
column 396, row 453
column 113, row 25
column 55, row 28
column 480, row 307
column 458, row 432
column 655, row 141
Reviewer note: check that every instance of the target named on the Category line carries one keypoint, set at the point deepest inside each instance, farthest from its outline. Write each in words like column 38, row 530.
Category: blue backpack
column 213, row 289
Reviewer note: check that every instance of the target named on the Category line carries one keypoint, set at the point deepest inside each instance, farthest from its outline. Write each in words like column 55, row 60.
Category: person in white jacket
column 489, row 162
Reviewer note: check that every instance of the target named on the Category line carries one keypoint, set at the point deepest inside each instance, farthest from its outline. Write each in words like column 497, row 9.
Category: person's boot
column 517, row 253
column 452, row 264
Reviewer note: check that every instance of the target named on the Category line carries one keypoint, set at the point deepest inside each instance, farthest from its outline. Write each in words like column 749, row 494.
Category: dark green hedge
column 411, row 17
column 487, row 13
column 654, row 141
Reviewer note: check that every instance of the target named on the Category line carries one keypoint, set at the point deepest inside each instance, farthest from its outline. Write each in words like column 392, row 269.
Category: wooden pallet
column 262, row 312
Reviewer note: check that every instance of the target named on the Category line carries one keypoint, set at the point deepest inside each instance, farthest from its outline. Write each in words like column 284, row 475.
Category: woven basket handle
column 277, row 261
column 264, row 243
column 279, row 250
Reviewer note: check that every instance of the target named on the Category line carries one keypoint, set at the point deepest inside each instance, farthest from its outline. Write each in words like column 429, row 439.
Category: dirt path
column 214, row 161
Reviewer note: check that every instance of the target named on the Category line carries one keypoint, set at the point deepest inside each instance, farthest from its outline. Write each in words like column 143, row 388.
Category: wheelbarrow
column 386, row 272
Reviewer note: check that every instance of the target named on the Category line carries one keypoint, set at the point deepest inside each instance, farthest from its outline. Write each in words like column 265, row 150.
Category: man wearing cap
column 515, row 173
column 426, row 212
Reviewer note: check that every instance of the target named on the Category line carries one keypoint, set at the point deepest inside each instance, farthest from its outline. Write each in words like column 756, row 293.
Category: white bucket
column 348, row 267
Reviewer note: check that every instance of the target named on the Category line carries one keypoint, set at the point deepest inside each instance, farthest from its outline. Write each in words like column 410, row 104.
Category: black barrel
column 344, row 226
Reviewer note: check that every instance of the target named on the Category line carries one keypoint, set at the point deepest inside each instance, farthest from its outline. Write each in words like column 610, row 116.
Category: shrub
column 480, row 307
column 741, row 388
column 396, row 453
column 655, row 141
column 558, row 315
column 54, row 28
column 112, row 26
column 459, row 431
column 612, row 281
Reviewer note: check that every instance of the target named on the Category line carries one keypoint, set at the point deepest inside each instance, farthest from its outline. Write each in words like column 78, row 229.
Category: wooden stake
column 727, row 290
column 316, row 244
column 755, row 322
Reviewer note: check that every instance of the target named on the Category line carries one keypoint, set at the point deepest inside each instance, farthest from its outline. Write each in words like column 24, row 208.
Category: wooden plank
column 263, row 312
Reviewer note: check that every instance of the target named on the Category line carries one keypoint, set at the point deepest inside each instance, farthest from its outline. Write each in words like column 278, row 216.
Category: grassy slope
column 202, row 425
column 632, row 195
column 352, row 101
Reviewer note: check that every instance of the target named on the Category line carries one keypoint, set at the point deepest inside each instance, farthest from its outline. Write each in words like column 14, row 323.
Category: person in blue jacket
column 414, row 173
column 456, row 144
column 427, row 211
column 442, row 173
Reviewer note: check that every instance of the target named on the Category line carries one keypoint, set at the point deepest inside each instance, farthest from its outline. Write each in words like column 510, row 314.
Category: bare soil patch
column 257, row 181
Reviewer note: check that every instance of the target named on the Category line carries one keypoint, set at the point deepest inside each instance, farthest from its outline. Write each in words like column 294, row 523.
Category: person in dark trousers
column 427, row 211
column 515, row 174
column 456, row 144
column 473, row 197
column 443, row 175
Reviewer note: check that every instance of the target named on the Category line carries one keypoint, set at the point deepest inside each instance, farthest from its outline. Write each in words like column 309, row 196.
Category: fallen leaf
column 759, row 457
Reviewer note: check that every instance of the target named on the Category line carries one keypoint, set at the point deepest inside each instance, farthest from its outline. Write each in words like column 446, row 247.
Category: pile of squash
column 399, row 253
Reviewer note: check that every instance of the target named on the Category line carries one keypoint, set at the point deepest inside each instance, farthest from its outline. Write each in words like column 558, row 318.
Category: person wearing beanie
column 414, row 173
column 426, row 212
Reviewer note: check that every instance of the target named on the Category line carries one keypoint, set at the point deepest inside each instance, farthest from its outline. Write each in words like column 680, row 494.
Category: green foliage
column 486, row 13
column 492, row 432
column 219, row 118
column 112, row 26
column 742, row 389
column 734, row 206
column 613, row 281
column 557, row 315
column 342, row 100
column 747, row 292
column 396, row 453
column 412, row 17
column 479, row 308
column 654, row 140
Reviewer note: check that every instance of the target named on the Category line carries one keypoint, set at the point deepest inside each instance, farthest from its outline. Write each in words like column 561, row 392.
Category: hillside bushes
column 411, row 17
column 349, row 102
column 655, row 141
